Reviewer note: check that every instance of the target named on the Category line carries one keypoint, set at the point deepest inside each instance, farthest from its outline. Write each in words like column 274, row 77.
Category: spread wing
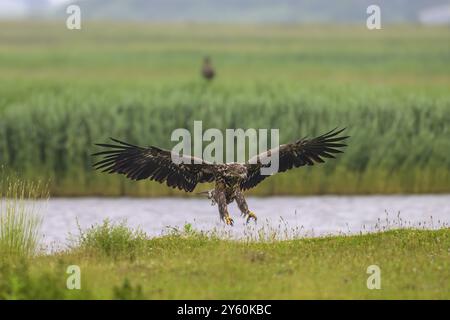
column 138, row 163
column 293, row 155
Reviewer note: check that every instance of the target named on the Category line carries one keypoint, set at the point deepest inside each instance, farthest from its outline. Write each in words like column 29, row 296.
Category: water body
column 294, row 216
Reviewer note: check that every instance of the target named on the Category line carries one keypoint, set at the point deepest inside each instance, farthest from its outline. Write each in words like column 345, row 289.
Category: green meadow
column 61, row 91
column 118, row 263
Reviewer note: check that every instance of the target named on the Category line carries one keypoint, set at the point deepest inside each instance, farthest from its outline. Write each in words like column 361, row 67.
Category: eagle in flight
column 230, row 179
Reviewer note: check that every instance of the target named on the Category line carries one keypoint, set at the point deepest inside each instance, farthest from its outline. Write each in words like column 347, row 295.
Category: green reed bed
column 398, row 144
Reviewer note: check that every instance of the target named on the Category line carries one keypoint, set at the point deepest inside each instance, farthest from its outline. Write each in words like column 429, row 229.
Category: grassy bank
column 117, row 263
column 61, row 91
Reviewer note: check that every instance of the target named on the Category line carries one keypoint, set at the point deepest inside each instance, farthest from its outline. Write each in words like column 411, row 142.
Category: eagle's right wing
column 292, row 155
column 138, row 163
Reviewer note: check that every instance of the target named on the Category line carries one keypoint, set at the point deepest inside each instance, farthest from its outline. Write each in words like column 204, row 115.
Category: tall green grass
column 111, row 239
column 399, row 140
column 20, row 219
column 61, row 92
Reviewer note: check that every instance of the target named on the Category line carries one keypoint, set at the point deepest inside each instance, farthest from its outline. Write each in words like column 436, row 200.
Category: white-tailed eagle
column 230, row 179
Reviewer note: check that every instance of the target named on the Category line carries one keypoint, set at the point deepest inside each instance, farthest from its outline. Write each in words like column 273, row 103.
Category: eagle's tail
column 210, row 195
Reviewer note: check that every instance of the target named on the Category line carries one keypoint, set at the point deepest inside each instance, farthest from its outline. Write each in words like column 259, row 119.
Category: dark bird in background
column 207, row 69
column 231, row 179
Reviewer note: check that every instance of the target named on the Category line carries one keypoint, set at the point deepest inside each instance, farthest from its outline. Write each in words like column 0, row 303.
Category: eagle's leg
column 242, row 204
column 223, row 210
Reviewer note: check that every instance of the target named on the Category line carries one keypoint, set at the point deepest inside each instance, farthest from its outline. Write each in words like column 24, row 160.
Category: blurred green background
column 63, row 90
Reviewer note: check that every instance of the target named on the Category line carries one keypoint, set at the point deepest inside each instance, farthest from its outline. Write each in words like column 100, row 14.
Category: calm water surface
column 310, row 216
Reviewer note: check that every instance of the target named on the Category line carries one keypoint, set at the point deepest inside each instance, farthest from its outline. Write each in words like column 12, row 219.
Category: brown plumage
column 207, row 70
column 231, row 179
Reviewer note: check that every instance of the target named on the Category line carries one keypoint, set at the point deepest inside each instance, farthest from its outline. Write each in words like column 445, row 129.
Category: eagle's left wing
column 293, row 155
column 138, row 163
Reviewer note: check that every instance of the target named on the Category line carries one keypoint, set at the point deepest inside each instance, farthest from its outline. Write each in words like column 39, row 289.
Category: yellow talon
column 251, row 215
column 228, row 220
